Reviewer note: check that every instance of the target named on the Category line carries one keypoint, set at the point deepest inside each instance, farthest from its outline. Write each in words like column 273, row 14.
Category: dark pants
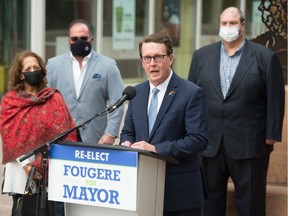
column 193, row 212
column 249, row 178
column 15, row 198
column 30, row 205
column 59, row 209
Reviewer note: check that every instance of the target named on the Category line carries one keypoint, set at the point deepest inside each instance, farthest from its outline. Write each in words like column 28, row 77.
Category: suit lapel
column 242, row 68
column 142, row 109
column 68, row 70
column 214, row 61
column 88, row 73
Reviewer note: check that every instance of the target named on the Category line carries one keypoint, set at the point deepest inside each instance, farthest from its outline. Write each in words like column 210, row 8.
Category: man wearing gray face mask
column 244, row 89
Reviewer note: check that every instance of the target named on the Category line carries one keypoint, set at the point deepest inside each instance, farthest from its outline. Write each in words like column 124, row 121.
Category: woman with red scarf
column 31, row 114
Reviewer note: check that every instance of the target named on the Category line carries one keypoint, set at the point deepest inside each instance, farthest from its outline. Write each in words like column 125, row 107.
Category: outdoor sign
column 93, row 176
column 123, row 24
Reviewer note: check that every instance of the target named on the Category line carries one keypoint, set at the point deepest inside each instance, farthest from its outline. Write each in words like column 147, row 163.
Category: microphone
column 128, row 93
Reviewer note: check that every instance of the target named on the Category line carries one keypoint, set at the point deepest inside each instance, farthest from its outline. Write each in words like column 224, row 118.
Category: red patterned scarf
column 27, row 121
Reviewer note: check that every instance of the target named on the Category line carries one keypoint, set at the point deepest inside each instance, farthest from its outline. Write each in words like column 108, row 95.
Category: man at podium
column 168, row 116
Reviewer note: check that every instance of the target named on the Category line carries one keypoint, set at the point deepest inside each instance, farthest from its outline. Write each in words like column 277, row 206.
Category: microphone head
column 130, row 92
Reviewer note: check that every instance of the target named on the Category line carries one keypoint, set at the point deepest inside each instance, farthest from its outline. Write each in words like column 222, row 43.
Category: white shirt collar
column 86, row 58
column 163, row 86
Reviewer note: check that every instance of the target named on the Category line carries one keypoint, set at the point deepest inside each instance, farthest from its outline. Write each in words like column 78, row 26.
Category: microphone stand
column 43, row 149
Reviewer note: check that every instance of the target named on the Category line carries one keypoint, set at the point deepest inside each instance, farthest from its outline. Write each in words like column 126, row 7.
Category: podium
column 106, row 180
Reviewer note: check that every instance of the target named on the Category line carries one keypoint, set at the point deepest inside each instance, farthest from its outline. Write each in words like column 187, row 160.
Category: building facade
column 118, row 26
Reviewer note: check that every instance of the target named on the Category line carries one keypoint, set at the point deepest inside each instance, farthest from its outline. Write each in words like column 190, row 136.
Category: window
column 14, row 35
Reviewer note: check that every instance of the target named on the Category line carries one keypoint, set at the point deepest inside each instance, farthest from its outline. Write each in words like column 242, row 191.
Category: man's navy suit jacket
column 253, row 108
column 180, row 132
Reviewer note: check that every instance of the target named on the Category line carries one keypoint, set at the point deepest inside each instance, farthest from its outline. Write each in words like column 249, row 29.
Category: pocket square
column 96, row 76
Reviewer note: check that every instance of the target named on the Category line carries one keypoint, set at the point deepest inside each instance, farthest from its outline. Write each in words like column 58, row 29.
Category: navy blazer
column 254, row 106
column 180, row 132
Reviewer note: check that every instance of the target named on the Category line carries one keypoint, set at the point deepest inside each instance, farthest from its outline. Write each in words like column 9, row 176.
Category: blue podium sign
column 93, row 176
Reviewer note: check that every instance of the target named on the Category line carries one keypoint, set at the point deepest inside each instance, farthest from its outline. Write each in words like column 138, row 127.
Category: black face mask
column 33, row 78
column 81, row 48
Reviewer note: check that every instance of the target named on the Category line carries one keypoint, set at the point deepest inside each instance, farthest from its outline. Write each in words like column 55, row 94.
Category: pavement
column 5, row 200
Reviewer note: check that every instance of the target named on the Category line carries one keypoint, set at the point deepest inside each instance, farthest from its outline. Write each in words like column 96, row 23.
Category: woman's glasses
column 84, row 38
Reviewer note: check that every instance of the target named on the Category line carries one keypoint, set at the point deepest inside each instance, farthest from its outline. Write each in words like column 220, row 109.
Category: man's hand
column 127, row 143
column 107, row 139
column 270, row 141
column 144, row 146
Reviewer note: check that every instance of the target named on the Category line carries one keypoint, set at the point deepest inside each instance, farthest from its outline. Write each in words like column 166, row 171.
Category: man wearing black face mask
column 80, row 46
column 89, row 83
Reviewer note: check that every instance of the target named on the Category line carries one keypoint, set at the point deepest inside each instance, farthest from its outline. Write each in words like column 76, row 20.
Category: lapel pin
column 172, row 93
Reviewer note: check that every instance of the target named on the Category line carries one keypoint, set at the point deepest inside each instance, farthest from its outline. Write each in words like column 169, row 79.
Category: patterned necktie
column 152, row 113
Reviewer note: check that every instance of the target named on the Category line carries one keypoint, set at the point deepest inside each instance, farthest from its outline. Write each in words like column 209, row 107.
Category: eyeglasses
column 156, row 58
column 74, row 39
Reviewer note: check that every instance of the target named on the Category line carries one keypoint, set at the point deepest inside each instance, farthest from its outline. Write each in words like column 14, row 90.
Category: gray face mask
column 33, row 78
